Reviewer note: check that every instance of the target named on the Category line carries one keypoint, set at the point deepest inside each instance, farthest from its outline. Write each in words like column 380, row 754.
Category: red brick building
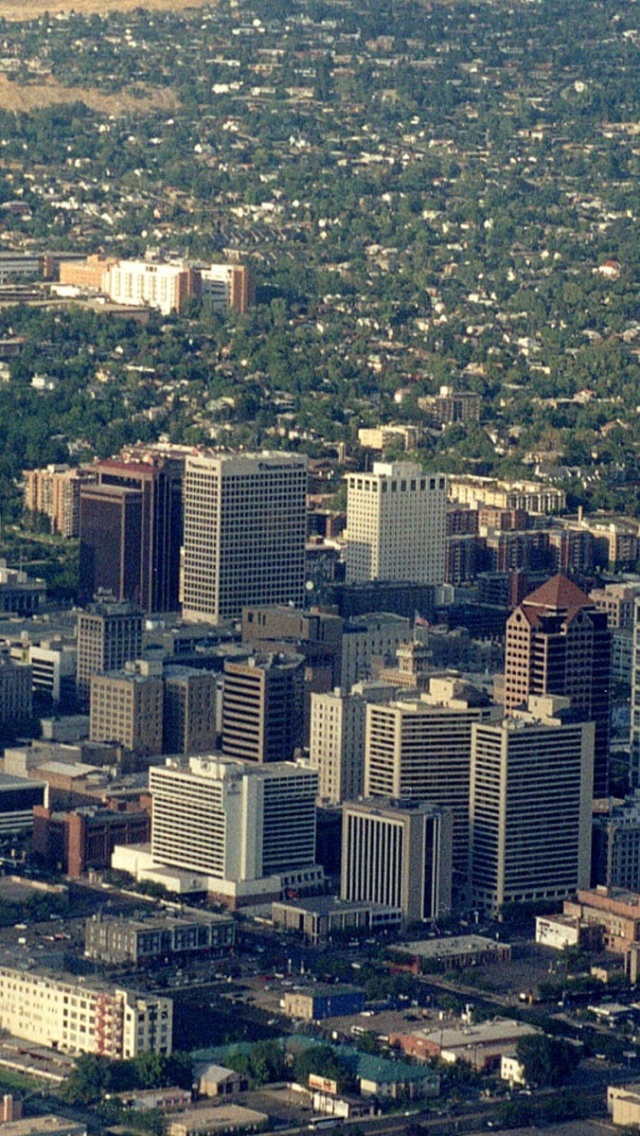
column 84, row 839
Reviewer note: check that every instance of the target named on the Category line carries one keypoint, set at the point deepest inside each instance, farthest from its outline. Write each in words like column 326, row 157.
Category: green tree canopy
column 546, row 1060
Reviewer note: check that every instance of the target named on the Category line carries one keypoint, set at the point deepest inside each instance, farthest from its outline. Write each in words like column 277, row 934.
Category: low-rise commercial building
column 50, row 1125
column 172, row 1099
column 343, row 1106
column 220, row 1119
column 218, row 1081
column 456, row 953
column 393, row 1080
column 617, row 911
column 144, row 940
column 20, row 594
column 78, row 841
column 560, row 931
column 623, row 1103
column 321, row 917
column 482, row 1046
column 319, row 1002
column 19, row 796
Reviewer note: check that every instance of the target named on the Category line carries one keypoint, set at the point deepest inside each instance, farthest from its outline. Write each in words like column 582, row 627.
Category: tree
column 546, row 1060
column 90, row 1079
column 324, row 1062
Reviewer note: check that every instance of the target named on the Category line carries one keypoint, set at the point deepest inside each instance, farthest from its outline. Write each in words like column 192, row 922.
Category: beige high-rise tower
column 530, row 810
column 244, row 533
column 420, row 750
column 396, row 524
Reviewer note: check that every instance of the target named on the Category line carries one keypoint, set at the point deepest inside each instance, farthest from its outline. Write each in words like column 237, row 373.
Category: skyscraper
column 421, row 750
column 131, row 532
column 110, row 543
column 396, row 524
column 530, row 811
column 248, row 829
column 189, row 710
column 109, row 635
column 262, row 708
column 398, row 854
column 126, row 706
column 634, row 755
column 244, row 533
column 558, row 643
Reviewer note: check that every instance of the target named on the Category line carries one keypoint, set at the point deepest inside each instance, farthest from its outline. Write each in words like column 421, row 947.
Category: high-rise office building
column 110, row 543
column 314, row 634
column 421, row 750
column 558, row 643
column 244, row 533
column 634, row 748
column 396, row 524
column 370, row 643
column 530, row 811
column 131, row 532
column 126, row 707
column 247, row 829
column 190, row 705
column 262, row 708
column 337, row 735
column 398, row 854
column 616, row 845
column 16, row 698
column 109, row 635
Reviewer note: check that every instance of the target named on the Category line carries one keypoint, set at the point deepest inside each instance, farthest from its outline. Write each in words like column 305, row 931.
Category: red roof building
column 559, row 643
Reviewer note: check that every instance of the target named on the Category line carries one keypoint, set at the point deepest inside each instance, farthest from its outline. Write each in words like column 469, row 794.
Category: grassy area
column 12, row 1081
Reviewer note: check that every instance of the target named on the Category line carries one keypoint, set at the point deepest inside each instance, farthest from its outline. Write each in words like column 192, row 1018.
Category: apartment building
column 55, row 493
column 77, row 1016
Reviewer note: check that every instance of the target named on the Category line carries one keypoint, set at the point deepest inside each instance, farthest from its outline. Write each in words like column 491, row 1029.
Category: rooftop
column 558, row 594
column 485, row 1033
column 445, row 948
column 34, row 1125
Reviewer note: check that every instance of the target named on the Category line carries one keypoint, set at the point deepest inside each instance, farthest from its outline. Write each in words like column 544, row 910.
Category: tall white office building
column 396, row 524
column 248, row 830
column 244, row 533
column 530, row 809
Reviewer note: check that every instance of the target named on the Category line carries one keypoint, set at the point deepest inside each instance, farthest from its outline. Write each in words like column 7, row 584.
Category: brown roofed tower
column 558, row 643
